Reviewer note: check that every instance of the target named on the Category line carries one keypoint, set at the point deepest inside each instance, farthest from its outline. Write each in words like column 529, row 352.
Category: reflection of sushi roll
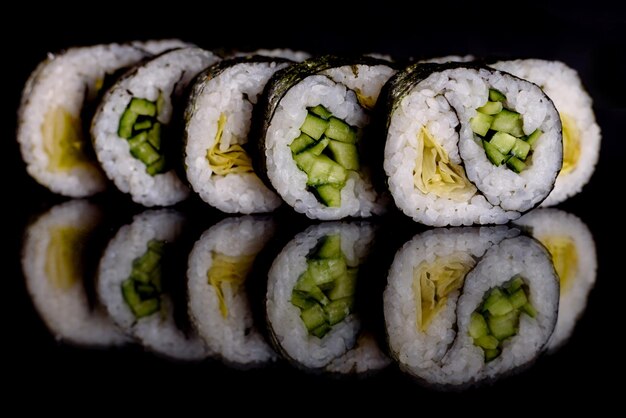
column 581, row 133
column 219, row 266
column 311, row 294
column 218, row 119
column 53, row 262
column 289, row 54
column 56, row 105
column 468, row 144
column 364, row 358
column 467, row 305
column 136, row 283
column 133, row 127
column 573, row 251
column 310, row 135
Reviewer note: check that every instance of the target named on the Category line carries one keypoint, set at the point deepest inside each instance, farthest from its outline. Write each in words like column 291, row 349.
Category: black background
column 591, row 40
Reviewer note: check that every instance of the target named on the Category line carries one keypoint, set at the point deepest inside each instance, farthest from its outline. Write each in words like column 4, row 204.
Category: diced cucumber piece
column 528, row 308
column 481, row 123
column 313, row 317
column 491, row 354
column 326, row 270
column 142, row 107
column 301, row 143
column 345, row 286
column 532, row 138
column 509, row 122
column 340, row 131
column 127, row 121
column 488, row 342
column 147, row 262
column 159, row 166
column 497, row 303
column 156, row 246
column 300, row 300
column 320, row 111
column 495, row 156
column 520, row 149
column 305, row 160
column 160, row 104
column 518, row 299
column 330, row 247
column 345, row 154
column 320, row 331
column 325, row 171
column 142, row 125
column 490, row 108
column 477, row 326
column 154, row 136
column 306, row 285
column 337, row 310
column 140, row 276
column 139, row 307
column 147, row 291
column 314, row 126
column 516, row 164
column 330, row 195
column 503, row 326
column 142, row 150
column 496, row 96
column 503, row 142
column 319, row 146
column 512, row 285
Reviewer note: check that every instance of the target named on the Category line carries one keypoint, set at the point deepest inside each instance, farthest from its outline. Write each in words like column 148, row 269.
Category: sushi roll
column 220, row 264
column 467, row 144
column 310, row 300
column 133, row 130
column 310, row 136
column 57, row 277
column 464, row 306
column 218, row 117
column 573, row 252
column 56, row 109
column 138, row 280
column 581, row 133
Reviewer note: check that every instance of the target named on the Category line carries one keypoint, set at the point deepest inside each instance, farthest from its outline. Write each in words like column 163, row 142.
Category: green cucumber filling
column 326, row 150
column 500, row 131
column 497, row 318
column 324, row 293
column 142, row 289
column 139, row 124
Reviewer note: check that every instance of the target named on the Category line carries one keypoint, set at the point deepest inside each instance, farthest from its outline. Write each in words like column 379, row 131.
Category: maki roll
column 573, row 252
column 56, row 109
column 468, row 144
column 57, row 278
column 219, row 111
column 133, row 127
column 220, row 264
column 463, row 306
column 138, row 282
column 310, row 301
column 581, row 133
column 310, row 136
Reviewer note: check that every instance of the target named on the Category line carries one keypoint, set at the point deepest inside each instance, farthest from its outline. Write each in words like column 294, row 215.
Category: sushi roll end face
column 468, row 144
column 132, row 127
column 311, row 136
column 581, row 133
column 218, row 118
column 56, row 110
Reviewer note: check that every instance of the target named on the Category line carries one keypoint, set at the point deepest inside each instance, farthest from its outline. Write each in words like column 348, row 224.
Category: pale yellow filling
column 233, row 160
column 63, row 257
column 571, row 144
column 63, row 141
column 564, row 258
column 227, row 270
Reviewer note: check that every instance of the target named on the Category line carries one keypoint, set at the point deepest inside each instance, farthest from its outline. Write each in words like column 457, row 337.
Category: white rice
column 565, row 88
column 168, row 75
column 365, row 357
column 235, row 338
column 65, row 309
column 444, row 103
column 445, row 355
column 233, row 92
column 68, row 80
column 158, row 332
column 288, row 329
column 358, row 197
column 550, row 223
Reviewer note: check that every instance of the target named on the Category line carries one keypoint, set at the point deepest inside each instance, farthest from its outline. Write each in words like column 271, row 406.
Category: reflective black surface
column 591, row 41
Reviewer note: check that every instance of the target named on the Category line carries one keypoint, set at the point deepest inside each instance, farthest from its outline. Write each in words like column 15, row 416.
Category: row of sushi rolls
column 469, row 144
